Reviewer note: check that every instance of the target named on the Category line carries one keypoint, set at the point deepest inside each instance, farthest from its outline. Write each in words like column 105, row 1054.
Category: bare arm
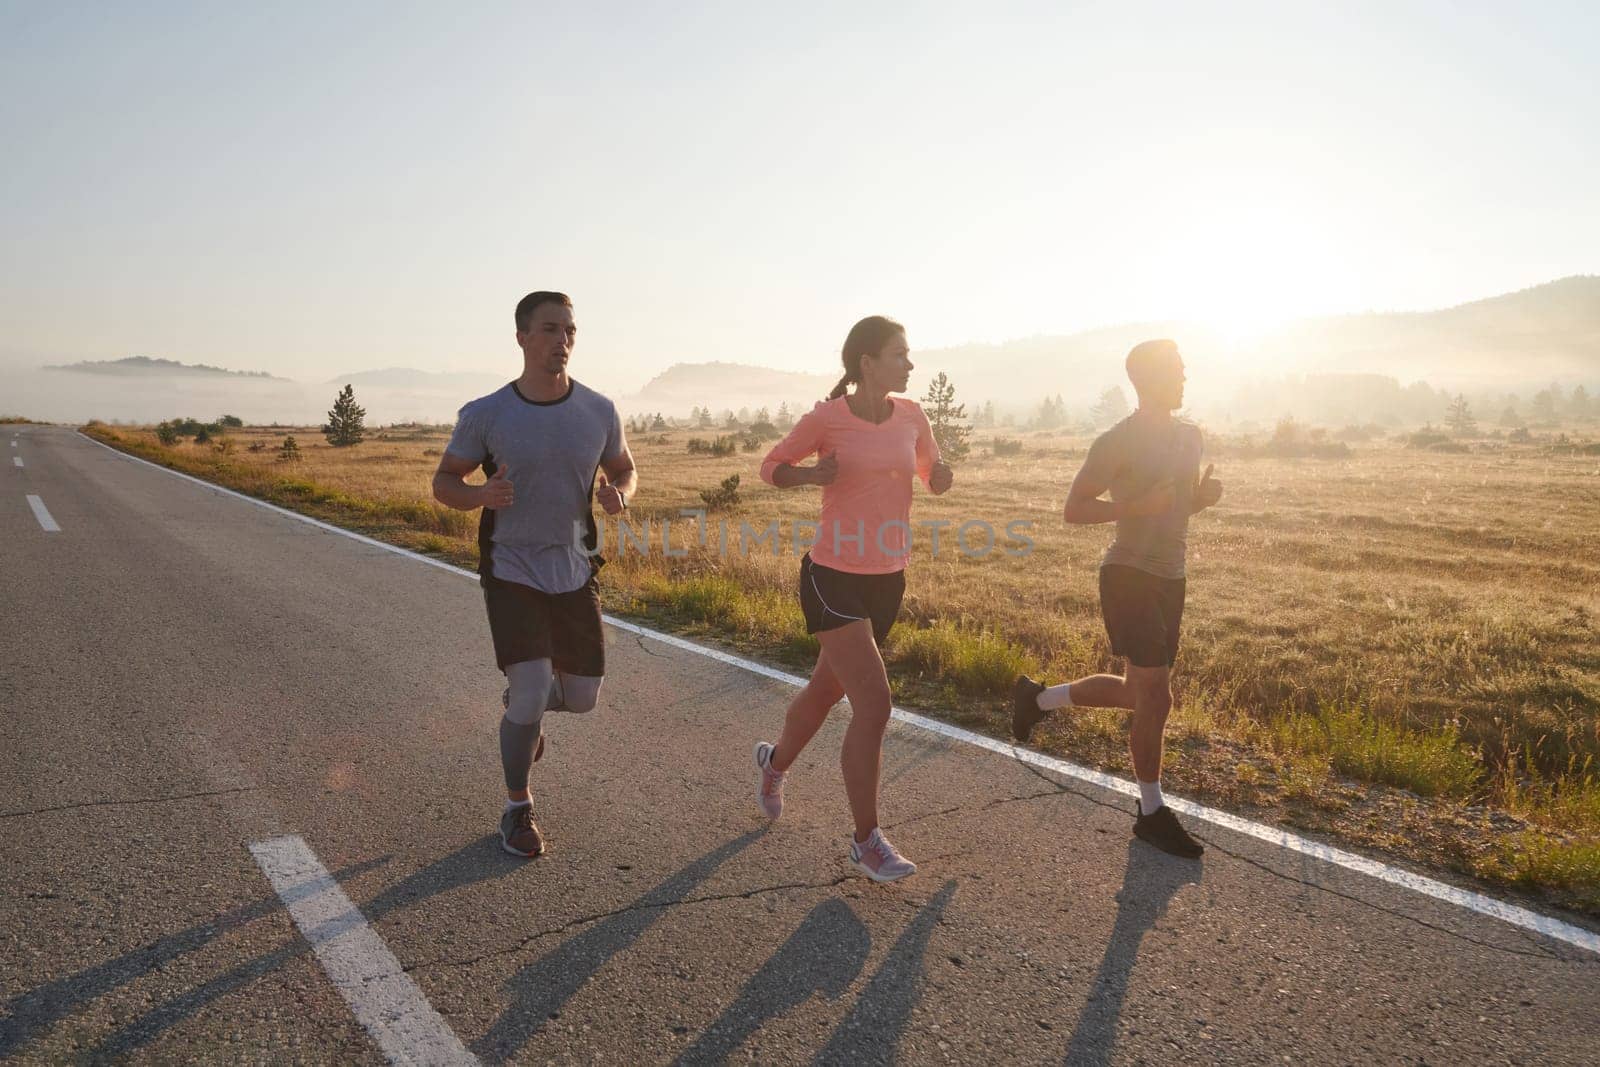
column 1084, row 506
column 620, row 481
column 786, row 476
column 450, row 487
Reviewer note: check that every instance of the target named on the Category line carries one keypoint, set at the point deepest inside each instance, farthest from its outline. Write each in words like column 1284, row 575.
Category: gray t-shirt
column 1131, row 458
column 553, row 449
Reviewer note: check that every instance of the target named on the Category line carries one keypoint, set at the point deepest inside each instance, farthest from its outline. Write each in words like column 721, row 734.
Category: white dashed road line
column 42, row 513
column 383, row 997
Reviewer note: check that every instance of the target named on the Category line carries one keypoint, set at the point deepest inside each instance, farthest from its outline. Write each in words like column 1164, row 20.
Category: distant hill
column 411, row 378
column 1517, row 342
column 729, row 386
column 146, row 367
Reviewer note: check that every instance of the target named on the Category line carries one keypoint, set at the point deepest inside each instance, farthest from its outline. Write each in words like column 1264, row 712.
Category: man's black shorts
column 1142, row 614
column 830, row 598
column 561, row 627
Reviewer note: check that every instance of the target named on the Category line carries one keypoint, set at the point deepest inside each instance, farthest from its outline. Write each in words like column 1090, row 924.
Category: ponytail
column 866, row 338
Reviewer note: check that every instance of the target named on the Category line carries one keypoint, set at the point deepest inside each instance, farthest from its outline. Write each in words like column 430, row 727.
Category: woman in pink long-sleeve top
column 868, row 446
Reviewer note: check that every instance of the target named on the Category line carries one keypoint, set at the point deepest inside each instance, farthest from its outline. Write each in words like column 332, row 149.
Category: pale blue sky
column 311, row 189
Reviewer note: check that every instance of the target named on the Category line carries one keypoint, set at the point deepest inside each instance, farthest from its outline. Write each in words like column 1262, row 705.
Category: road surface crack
column 646, row 905
column 125, row 803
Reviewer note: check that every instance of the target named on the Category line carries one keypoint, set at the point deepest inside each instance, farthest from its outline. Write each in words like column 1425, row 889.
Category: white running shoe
column 769, row 794
column 878, row 859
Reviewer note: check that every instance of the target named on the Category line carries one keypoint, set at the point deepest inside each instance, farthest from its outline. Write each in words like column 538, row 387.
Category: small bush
column 1427, row 437
column 289, row 450
column 724, row 497
column 725, row 445
column 1006, row 446
column 257, row 446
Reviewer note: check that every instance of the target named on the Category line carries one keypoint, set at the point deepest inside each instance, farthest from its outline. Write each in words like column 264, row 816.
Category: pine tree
column 290, row 449
column 948, row 419
column 1579, row 403
column 347, row 421
column 1460, row 420
column 785, row 420
column 1111, row 407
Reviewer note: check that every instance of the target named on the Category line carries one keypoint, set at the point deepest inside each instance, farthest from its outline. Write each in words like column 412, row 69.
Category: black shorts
column 561, row 627
column 831, row 599
column 1142, row 614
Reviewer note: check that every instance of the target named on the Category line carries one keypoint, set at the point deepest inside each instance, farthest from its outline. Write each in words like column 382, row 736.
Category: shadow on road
column 477, row 861
column 36, row 1010
column 824, row 954
column 540, row 989
column 871, row 1032
column 1149, row 883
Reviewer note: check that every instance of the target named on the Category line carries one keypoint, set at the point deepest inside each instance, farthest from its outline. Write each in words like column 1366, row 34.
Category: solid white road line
column 383, row 997
column 17, row 460
column 42, row 513
column 1429, row 887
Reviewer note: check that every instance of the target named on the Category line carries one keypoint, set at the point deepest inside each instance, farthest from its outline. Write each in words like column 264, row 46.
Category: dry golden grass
column 1405, row 617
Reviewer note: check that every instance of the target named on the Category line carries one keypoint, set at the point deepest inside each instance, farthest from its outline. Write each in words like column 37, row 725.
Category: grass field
column 1399, row 648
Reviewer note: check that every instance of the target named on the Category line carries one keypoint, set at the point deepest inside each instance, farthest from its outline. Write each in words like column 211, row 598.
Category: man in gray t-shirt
column 1149, row 463
column 550, row 447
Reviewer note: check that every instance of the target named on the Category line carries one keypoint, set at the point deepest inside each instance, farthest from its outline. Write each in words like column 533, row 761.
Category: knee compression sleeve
column 530, row 691
column 578, row 692
column 519, row 730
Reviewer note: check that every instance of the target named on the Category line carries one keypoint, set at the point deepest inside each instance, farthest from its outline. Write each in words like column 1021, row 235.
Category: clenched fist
column 610, row 497
column 497, row 492
column 826, row 470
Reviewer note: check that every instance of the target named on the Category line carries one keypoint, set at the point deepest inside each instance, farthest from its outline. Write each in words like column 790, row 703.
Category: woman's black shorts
column 831, row 598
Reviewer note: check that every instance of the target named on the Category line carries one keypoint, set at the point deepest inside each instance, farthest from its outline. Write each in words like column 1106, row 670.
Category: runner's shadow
column 1150, row 881
column 824, row 954
column 543, row 986
column 40, row 1008
column 871, row 1032
column 476, row 861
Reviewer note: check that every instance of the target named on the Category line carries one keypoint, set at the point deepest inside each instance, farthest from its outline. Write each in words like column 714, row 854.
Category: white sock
column 1150, row 797
column 1057, row 696
column 517, row 803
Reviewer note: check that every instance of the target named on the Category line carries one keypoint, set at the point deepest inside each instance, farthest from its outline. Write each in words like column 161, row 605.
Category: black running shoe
column 1160, row 828
column 1025, row 711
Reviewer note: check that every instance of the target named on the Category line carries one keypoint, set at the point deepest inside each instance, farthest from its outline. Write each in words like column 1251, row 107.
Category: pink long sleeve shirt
column 865, row 527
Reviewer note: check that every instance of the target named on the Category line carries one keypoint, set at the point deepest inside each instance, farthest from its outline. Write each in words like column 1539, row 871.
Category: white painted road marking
column 383, row 997
column 1513, row 914
column 42, row 513
column 17, row 460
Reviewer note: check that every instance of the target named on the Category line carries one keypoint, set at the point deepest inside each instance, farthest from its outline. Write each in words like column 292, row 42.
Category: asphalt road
column 184, row 675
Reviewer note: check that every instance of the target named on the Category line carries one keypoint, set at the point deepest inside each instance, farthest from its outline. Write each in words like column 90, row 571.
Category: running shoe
column 1160, row 828
column 519, row 834
column 878, row 859
column 769, row 794
column 1025, row 710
